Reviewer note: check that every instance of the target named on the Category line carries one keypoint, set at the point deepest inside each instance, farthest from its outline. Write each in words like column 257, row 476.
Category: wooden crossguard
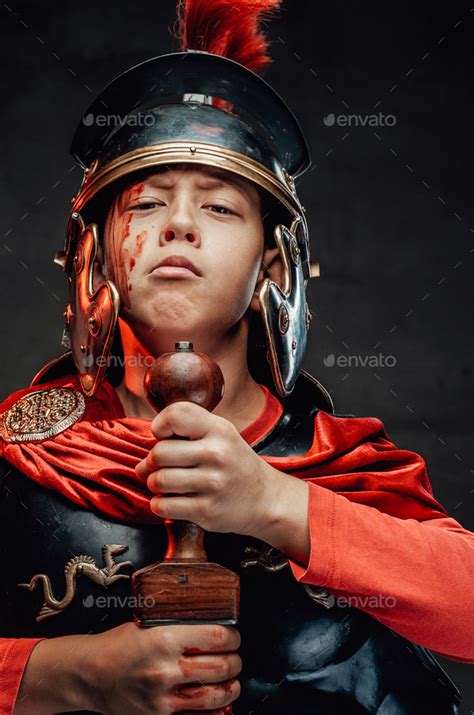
column 185, row 587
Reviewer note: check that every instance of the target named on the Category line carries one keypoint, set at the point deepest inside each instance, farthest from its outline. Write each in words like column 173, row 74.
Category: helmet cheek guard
column 91, row 314
column 285, row 313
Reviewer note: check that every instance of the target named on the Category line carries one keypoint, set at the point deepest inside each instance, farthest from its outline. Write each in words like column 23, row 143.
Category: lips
column 178, row 262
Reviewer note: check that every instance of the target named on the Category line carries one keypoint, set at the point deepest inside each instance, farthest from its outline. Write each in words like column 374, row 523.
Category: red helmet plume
column 230, row 28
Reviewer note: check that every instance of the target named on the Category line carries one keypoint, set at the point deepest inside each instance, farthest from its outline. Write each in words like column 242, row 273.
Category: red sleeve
column 416, row 577
column 14, row 654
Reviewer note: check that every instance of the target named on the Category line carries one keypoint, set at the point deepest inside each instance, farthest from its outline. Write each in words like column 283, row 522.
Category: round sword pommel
column 184, row 375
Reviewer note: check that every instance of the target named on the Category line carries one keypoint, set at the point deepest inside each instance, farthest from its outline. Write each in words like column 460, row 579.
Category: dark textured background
column 389, row 207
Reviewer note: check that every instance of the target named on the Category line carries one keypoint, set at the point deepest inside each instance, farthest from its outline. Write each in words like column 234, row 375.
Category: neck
column 243, row 399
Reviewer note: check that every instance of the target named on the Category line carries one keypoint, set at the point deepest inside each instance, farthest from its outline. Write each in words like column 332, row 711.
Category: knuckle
column 167, row 675
column 167, row 643
column 228, row 430
column 213, row 479
column 209, row 451
column 234, row 638
column 222, row 425
column 220, row 457
column 153, row 457
column 219, row 698
column 178, row 410
column 236, row 689
column 237, row 665
column 218, row 634
column 224, row 669
column 154, row 678
column 226, row 693
column 162, row 507
column 156, row 505
column 215, row 696
column 152, row 481
column 221, row 453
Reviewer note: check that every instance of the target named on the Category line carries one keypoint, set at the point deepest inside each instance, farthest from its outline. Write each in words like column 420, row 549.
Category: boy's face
column 211, row 218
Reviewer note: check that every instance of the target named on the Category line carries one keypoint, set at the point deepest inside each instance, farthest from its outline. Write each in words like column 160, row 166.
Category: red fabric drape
column 92, row 463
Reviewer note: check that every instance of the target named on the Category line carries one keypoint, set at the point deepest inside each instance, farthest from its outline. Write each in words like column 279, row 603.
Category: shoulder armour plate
column 42, row 414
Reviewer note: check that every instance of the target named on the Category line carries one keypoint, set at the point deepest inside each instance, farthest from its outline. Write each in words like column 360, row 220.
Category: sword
column 185, row 587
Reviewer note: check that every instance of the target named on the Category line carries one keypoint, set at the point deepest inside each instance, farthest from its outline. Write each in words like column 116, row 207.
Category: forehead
column 201, row 176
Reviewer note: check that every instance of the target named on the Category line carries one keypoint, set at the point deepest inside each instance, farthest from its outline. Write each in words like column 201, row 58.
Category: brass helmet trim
column 197, row 153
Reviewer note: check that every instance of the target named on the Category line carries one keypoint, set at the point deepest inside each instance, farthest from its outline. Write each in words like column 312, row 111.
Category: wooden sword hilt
column 185, row 587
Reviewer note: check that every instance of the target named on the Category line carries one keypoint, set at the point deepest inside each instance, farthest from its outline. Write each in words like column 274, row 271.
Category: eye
column 144, row 207
column 222, row 210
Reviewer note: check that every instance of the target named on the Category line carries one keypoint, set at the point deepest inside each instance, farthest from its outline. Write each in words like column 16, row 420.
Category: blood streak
column 140, row 239
column 188, row 691
column 119, row 231
column 192, row 691
column 134, row 192
column 190, row 667
column 189, row 651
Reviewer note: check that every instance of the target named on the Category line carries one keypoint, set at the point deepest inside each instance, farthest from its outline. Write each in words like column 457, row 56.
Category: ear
column 271, row 267
column 99, row 274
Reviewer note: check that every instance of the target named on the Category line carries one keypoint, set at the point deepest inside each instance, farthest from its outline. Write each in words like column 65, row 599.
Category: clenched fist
column 213, row 478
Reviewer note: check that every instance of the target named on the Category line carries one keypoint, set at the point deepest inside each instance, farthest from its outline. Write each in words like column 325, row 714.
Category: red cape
column 92, row 462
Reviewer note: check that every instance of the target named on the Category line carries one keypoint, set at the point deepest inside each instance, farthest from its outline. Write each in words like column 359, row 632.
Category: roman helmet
column 206, row 105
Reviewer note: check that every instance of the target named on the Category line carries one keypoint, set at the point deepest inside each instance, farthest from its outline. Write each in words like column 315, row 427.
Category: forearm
column 284, row 522
column 56, row 678
column 415, row 577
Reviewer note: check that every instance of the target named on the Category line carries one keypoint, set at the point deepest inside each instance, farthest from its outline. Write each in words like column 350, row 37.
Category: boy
column 185, row 209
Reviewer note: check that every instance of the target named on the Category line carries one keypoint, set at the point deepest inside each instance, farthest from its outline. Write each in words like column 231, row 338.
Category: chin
column 169, row 321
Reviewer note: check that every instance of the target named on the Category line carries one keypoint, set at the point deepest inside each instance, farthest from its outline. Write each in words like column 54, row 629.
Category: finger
column 168, row 453
column 206, row 697
column 175, row 453
column 141, row 470
column 181, row 507
column 184, row 419
column 176, row 480
column 214, row 668
column 206, row 638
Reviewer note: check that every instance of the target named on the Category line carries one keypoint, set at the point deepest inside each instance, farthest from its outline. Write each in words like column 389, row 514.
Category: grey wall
column 389, row 207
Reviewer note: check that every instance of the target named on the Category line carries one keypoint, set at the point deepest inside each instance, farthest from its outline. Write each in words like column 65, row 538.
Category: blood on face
column 119, row 260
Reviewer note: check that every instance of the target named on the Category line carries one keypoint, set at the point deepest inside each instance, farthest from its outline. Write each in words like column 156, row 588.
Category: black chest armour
column 299, row 656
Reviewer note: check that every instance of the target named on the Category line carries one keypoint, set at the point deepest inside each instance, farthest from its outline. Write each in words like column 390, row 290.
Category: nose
column 180, row 225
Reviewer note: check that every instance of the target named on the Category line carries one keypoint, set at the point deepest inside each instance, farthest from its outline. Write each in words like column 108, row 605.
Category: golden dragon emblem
column 270, row 559
column 82, row 565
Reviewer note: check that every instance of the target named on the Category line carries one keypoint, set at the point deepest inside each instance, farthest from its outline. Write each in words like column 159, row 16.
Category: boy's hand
column 133, row 670
column 214, row 478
